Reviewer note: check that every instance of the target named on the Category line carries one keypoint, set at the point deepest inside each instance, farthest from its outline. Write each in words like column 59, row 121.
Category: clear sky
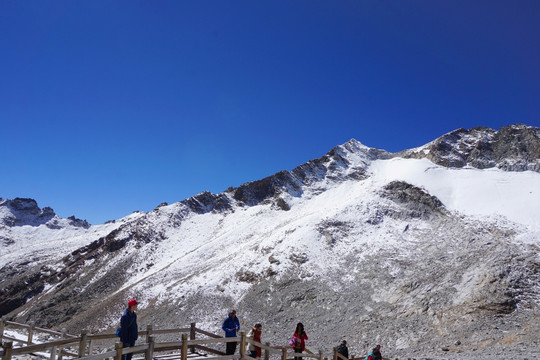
column 107, row 107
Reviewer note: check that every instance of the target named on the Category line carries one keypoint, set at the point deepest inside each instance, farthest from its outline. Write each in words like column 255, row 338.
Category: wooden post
column 118, row 348
column 320, row 355
column 150, row 351
column 30, row 332
column 91, row 347
column 2, row 327
column 53, row 353
column 284, row 354
column 61, row 348
column 335, row 354
column 148, row 333
column 192, row 337
column 82, row 343
column 183, row 351
column 266, row 352
column 242, row 344
column 8, row 348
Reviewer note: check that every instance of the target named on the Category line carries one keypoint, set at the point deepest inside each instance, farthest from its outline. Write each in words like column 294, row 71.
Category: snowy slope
column 219, row 246
column 42, row 242
column 474, row 192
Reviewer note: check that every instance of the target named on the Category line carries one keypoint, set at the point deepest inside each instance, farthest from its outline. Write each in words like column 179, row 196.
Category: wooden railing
column 83, row 346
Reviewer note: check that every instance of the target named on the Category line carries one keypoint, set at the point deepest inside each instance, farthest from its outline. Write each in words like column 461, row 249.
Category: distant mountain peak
column 25, row 211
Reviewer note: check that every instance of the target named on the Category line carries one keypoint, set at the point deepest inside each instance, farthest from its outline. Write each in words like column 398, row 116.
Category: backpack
column 292, row 342
column 370, row 356
column 119, row 330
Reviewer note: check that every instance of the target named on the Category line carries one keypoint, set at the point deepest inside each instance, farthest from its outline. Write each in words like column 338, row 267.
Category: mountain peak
column 23, row 211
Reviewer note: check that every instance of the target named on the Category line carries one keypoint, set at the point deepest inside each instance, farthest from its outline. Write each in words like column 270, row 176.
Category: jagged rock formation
column 20, row 212
column 511, row 148
column 328, row 243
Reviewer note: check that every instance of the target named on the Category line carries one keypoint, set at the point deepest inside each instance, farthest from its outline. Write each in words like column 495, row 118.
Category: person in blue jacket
column 129, row 331
column 231, row 325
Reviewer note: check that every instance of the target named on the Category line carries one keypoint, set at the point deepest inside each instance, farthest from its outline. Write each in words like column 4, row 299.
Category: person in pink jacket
column 299, row 338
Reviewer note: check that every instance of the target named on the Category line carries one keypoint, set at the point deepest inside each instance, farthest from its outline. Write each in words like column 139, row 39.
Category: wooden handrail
column 13, row 339
column 151, row 346
column 171, row 331
column 204, row 332
column 15, row 324
column 263, row 346
column 214, row 341
column 44, row 346
column 101, row 336
column 52, row 332
column 133, row 349
column 210, row 350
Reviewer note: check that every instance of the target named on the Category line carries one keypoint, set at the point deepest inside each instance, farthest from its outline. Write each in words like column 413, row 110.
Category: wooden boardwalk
column 195, row 344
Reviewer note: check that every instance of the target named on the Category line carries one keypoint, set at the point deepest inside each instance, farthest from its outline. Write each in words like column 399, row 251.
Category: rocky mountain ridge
column 347, row 252
column 511, row 148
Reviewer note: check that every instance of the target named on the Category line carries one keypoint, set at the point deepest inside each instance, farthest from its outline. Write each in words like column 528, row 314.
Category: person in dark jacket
column 231, row 325
column 375, row 354
column 343, row 349
column 129, row 331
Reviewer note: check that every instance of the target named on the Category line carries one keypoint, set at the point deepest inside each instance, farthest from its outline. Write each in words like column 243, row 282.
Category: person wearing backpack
column 129, row 331
column 298, row 340
column 343, row 349
column 375, row 354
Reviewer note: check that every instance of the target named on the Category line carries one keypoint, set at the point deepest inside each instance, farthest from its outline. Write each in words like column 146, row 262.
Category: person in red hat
column 129, row 331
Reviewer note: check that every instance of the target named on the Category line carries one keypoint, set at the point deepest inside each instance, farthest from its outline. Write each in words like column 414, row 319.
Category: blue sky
column 107, row 107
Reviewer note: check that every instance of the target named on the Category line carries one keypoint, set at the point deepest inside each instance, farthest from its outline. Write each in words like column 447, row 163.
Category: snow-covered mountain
column 431, row 247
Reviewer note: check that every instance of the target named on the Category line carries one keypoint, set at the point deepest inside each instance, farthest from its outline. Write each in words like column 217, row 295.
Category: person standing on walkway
column 343, row 349
column 231, row 325
column 129, row 331
column 255, row 334
column 299, row 338
column 375, row 354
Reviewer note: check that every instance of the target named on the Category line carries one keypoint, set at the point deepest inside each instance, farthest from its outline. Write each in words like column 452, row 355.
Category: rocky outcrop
column 22, row 211
column 417, row 202
column 78, row 222
column 21, row 282
column 511, row 148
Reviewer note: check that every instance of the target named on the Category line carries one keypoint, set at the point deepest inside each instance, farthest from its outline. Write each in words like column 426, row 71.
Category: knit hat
column 132, row 302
